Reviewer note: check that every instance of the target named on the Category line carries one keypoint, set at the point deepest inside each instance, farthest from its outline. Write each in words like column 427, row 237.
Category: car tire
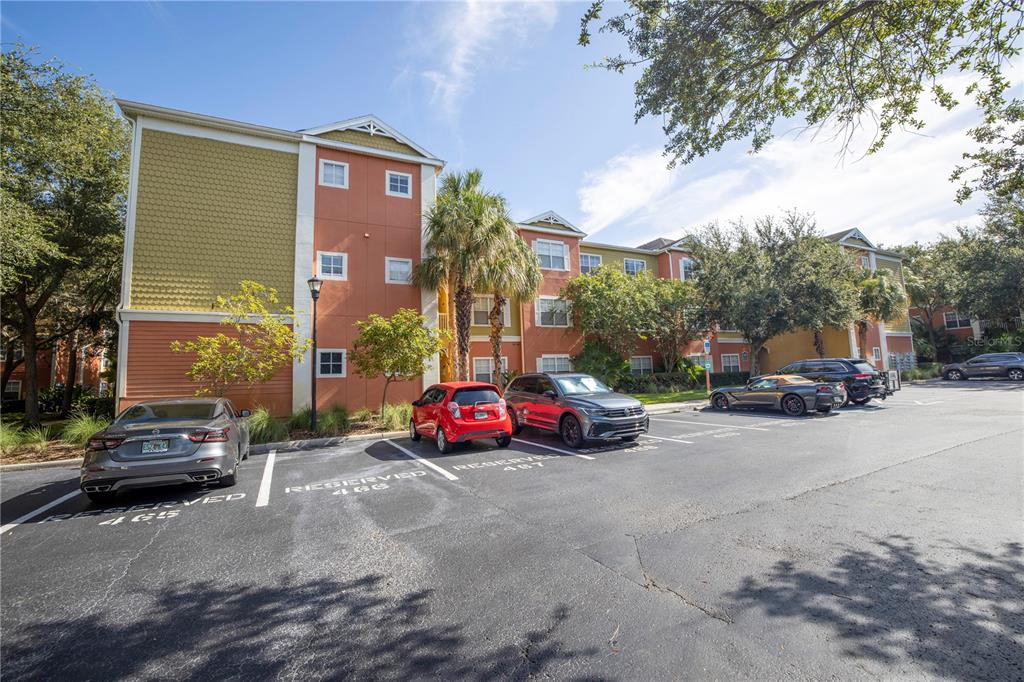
column 1015, row 374
column 825, row 410
column 229, row 480
column 517, row 428
column 793, row 405
column 630, row 439
column 504, row 441
column 861, row 401
column 719, row 401
column 443, row 446
column 954, row 375
column 101, row 498
column 414, row 435
column 245, row 455
column 571, row 431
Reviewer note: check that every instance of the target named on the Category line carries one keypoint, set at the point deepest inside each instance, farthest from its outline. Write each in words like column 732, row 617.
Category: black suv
column 863, row 382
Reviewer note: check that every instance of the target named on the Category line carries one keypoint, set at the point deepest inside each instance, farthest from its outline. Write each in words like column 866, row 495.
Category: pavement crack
column 127, row 567
column 651, row 584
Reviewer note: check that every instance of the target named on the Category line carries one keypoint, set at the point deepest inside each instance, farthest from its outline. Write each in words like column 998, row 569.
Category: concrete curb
column 676, row 407
column 77, row 462
column 311, row 443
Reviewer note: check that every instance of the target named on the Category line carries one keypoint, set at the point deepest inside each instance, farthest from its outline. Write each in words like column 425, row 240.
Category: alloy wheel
column 1016, row 374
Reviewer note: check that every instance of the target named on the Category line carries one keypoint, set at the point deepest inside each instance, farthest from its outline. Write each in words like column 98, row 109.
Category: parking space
column 401, row 509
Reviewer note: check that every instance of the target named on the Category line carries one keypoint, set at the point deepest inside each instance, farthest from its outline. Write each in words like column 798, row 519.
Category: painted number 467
column 141, row 517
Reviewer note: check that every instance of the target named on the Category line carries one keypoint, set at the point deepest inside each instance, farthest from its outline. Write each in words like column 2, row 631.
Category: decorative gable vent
column 373, row 129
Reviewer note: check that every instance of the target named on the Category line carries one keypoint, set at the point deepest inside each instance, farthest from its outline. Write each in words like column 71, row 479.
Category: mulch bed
column 51, row 453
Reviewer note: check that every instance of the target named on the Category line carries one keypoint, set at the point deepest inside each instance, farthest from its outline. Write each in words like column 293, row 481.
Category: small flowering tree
column 264, row 342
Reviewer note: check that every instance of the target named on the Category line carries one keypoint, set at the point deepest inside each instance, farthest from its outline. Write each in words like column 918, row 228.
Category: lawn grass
column 675, row 397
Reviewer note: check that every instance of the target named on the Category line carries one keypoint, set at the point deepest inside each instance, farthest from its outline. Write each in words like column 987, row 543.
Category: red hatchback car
column 460, row 411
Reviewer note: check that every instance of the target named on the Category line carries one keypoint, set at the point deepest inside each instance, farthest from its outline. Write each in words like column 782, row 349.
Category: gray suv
column 1009, row 365
column 576, row 406
column 166, row 442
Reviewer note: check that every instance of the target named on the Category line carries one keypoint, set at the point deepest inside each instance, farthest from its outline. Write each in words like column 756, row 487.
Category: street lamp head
column 314, row 283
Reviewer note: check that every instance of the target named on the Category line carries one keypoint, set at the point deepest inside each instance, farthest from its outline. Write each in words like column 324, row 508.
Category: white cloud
column 900, row 194
column 470, row 35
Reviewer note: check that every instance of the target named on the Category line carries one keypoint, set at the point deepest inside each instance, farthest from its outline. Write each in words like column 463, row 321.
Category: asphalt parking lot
column 883, row 541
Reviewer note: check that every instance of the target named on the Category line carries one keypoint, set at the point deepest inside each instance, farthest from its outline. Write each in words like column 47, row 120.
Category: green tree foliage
column 676, row 320
column 467, row 228
column 997, row 166
column 932, row 280
column 990, row 262
column 718, row 70
column 264, row 342
column 598, row 360
column 63, row 176
column 396, row 348
column 880, row 299
column 612, row 308
column 511, row 273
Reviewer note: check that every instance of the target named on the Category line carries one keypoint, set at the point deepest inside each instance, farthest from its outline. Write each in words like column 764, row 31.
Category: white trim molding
column 333, row 254
column 370, row 125
column 537, row 313
column 551, row 230
column 372, row 151
column 387, row 270
column 387, row 184
column 428, row 295
column 218, row 134
column 304, row 268
column 322, row 166
column 487, row 339
column 566, row 253
column 552, row 217
column 553, row 356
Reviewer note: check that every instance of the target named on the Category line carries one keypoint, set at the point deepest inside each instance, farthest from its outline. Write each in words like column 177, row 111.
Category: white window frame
column 600, row 261
column 537, row 313
column 344, row 363
column 505, row 314
column 641, row 370
column 324, row 183
column 542, row 358
column 865, row 262
column 957, row 318
column 387, row 270
column 876, row 354
column 722, row 358
column 387, row 184
column 642, row 263
column 682, row 267
column 490, row 367
column 320, row 265
column 553, row 242
column 16, row 382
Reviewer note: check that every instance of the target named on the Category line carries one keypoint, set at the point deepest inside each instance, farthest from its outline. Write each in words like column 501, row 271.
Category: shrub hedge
column 665, row 382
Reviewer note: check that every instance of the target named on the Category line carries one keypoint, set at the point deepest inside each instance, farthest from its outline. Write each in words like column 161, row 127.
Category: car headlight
column 593, row 411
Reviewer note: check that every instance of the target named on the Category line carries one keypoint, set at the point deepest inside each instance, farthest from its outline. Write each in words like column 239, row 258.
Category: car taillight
column 501, row 408
column 215, row 436
column 453, row 407
column 862, row 375
column 104, row 443
column 824, row 389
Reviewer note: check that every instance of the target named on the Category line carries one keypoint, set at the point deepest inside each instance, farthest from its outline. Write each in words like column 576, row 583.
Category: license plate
column 480, row 415
column 150, row 446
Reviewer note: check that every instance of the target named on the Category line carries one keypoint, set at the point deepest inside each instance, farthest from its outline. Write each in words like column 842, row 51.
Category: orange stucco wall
column 154, row 372
column 368, row 225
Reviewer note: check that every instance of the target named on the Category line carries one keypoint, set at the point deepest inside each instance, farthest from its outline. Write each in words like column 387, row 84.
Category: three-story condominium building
column 213, row 202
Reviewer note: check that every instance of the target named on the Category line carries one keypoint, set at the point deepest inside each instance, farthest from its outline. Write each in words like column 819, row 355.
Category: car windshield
column 161, row 411
column 472, row 396
column 576, row 385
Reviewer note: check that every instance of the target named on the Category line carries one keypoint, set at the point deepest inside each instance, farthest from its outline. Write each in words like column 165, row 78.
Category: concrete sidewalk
column 664, row 408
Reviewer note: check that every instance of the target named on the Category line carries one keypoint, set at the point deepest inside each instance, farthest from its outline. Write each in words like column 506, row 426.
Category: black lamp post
column 314, row 283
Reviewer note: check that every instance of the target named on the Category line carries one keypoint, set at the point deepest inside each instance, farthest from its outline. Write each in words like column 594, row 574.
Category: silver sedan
column 166, row 442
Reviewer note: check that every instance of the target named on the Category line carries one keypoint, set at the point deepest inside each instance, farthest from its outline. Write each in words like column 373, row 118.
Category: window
column 876, row 354
column 482, row 311
column 554, row 363
column 483, row 369
column 523, row 385
column 589, row 262
column 398, row 184
column 699, row 358
column 13, row 389
column 865, row 262
column 333, row 174
column 634, row 266
column 552, row 312
column 641, row 364
column 957, row 321
column 552, row 255
column 686, row 266
column 332, row 265
column 730, row 362
column 331, row 362
column 397, row 270
column 19, row 352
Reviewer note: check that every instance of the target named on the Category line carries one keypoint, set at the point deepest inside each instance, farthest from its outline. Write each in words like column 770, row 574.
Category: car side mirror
column 550, row 394
column 245, row 413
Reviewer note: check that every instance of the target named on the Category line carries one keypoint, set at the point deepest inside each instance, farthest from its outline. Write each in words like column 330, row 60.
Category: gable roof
column 370, row 125
column 551, row 218
column 850, row 234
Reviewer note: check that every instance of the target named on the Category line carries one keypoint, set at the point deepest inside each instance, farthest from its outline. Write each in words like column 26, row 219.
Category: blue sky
column 502, row 87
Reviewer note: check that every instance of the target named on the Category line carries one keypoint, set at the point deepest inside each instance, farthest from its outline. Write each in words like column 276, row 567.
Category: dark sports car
column 792, row 394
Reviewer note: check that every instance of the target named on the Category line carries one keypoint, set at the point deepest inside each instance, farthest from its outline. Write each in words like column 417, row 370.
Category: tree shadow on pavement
column 304, row 630
column 893, row 605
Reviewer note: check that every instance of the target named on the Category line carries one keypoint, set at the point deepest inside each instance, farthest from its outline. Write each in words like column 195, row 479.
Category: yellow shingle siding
column 209, row 215
column 367, row 140
column 614, row 259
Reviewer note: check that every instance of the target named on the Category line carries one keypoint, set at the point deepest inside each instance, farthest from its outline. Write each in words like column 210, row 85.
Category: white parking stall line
column 263, row 497
column 554, row 449
column 723, row 426
column 674, row 440
column 441, row 470
column 32, row 514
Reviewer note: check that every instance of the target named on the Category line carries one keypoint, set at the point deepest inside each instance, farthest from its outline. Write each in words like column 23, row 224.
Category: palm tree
column 513, row 273
column 465, row 228
column 880, row 298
